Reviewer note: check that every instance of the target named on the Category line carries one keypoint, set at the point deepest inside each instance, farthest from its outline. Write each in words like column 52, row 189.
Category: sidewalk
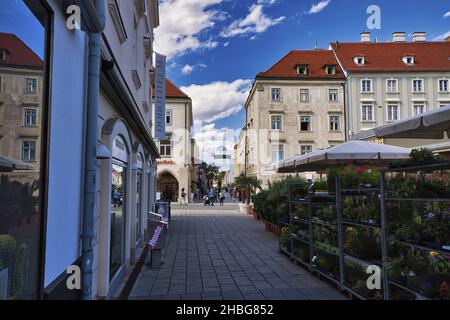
column 218, row 253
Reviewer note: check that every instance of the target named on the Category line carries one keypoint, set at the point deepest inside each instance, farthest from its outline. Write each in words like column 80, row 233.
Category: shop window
column 22, row 183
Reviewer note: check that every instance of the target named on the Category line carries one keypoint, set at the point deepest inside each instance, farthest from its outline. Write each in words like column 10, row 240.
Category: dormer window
column 330, row 70
column 359, row 60
column 302, row 69
column 3, row 54
column 409, row 59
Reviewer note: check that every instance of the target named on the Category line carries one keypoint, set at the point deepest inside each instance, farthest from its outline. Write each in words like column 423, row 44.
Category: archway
column 168, row 186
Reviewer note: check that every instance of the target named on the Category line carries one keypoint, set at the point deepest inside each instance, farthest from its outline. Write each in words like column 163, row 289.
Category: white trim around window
column 417, row 105
column 168, row 117
column 389, row 87
column 305, row 148
column 281, row 122
column 277, row 154
column 28, row 114
column 443, row 85
column 364, row 88
column 392, row 112
column 304, row 95
column 421, row 87
column 367, row 112
column 36, row 85
column 275, row 95
column 333, row 92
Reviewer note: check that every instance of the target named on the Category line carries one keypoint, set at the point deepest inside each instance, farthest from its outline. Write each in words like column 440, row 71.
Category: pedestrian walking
column 221, row 197
column 183, row 197
column 212, row 196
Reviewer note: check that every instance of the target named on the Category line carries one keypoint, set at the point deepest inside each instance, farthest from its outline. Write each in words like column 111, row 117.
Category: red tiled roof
column 387, row 56
column 172, row 91
column 315, row 59
column 18, row 53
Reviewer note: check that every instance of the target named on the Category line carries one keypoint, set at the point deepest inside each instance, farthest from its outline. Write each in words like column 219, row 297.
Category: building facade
column 294, row 107
column 390, row 81
column 91, row 96
column 176, row 170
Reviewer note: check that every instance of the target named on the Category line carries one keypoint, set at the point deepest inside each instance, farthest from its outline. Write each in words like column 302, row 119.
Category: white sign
column 160, row 96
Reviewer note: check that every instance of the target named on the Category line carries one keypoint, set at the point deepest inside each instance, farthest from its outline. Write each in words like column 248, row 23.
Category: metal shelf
column 360, row 224
column 418, row 246
column 418, row 199
column 360, row 261
column 299, row 238
column 326, row 275
column 323, row 223
column 410, row 290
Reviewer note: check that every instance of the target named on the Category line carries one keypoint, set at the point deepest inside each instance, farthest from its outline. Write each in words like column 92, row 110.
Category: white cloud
column 447, row 14
column 316, row 8
column 217, row 100
column 268, row 2
column 209, row 139
column 187, row 69
column 182, row 21
column 255, row 22
column 226, row 44
column 442, row 36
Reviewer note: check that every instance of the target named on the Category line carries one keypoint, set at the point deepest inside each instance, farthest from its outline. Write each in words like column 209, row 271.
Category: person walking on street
column 221, row 197
column 212, row 196
column 183, row 197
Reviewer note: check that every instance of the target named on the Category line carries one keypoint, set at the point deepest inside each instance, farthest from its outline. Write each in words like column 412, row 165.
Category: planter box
column 272, row 227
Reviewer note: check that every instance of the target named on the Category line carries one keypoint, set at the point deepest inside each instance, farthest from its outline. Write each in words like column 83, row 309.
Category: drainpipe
column 88, row 232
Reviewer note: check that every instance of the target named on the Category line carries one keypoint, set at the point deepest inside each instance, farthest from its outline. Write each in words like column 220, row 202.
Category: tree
column 220, row 177
column 211, row 173
column 247, row 185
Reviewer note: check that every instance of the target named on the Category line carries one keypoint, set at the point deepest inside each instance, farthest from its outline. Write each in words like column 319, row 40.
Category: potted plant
column 248, row 185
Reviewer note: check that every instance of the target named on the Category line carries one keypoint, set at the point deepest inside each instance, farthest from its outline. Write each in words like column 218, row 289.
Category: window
column 392, row 112
column 304, row 149
column 276, row 123
column 366, row 85
column 333, row 95
column 30, row 117
column 165, row 148
column 28, row 150
column 359, row 61
column 408, row 60
column 0, row 83
column 418, row 108
column 392, row 86
column 417, row 85
column 276, row 94
column 304, row 95
column 367, row 112
column 31, row 85
column 169, row 117
column 305, row 123
column 334, row 123
column 443, row 85
column 330, row 70
column 302, row 69
column 277, row 152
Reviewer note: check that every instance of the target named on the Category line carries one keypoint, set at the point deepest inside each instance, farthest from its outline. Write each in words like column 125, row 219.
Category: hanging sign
column 160, row 96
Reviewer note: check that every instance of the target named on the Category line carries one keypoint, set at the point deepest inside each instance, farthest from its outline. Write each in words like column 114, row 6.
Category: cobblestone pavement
column 216, row 253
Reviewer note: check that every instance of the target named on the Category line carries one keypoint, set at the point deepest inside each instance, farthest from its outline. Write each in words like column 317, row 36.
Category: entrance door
column 168, row 186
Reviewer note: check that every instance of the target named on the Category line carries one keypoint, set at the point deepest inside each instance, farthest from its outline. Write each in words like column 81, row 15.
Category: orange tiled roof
column 18, row 53
column 172, row 91
column 387, row 56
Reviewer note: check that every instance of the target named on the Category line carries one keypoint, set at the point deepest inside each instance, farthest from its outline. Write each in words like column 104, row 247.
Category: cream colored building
column 295, row 107
column 391, row 81
column 176, row 168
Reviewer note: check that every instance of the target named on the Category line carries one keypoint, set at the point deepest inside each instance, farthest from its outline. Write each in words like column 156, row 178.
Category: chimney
column 399, row 37
column 419, row 36
column 365, row 36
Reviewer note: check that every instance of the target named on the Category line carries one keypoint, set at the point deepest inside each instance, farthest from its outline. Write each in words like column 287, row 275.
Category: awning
column 429, row 125
column 9, row 164
column 360, row 152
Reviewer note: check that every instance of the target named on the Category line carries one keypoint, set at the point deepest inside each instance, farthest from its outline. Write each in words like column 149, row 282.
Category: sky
column 215, row 48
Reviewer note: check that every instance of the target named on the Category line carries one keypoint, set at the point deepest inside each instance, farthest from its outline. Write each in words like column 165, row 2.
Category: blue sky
column 216, row 47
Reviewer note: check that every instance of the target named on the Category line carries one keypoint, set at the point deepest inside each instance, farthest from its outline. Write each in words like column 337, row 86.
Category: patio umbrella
column 356, row 151
column 429, row 125
column 9, row 164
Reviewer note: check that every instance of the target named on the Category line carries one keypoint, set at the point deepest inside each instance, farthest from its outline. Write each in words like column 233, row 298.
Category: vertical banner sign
column 160, row 96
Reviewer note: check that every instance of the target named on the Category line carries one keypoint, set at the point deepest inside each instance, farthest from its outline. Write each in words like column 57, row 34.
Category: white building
column 96, row 153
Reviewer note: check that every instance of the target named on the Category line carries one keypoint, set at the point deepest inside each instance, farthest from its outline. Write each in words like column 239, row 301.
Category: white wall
column 66, row 148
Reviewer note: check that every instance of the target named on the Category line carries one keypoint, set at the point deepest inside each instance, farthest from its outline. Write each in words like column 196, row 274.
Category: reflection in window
column 21, row 68
column 138, row 204
column 117, row 218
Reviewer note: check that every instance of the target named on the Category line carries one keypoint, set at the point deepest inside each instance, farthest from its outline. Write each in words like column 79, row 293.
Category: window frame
column 371, row 105
column 421, row 86
column 300, row 123
column 281, row 122
column 306, row 145
column 414, row 104
column 329, row 95
column 272, row 94
column 22, row 156
column 388, row 87
column 170, row 116
column 165, row 146
column 327, row 69
column 362, row 86
column 439, row 85
column 26, row 85
column 282, row 151
column 308, row 94
column 388, row 113
column 25, row 123
column 330, row 123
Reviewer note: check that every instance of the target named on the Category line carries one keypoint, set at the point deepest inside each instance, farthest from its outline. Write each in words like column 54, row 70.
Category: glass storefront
column 118, row 206
column 139, row 173
column 22, row 155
